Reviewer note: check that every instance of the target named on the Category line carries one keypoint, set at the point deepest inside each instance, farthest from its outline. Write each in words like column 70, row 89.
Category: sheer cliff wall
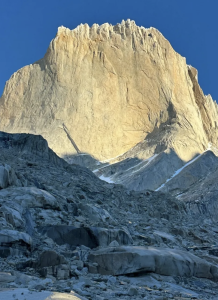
column 111, row 87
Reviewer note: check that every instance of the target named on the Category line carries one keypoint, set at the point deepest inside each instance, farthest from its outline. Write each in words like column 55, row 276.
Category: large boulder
column 170, row 262
column 51, row 263
column 95, row 213
column 13, row 242
column 31, row 197
column 106, row 236
column 50, row 258
column 8, row 237
column 91, row 237
column 6, row 277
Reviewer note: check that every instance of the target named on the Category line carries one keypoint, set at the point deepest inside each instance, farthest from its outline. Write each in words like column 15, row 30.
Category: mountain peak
column 112, row 87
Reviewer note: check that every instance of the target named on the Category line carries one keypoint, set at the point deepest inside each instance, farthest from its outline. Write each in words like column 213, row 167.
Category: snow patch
column 145, row 163
column 149, row 160
column 107, row 179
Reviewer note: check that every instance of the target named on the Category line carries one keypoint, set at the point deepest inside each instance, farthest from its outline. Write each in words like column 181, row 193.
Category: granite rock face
column 121, row 101
column 103, row 89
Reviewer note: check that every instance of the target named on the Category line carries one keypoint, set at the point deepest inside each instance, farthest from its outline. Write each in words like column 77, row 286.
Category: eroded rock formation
column 112, row 87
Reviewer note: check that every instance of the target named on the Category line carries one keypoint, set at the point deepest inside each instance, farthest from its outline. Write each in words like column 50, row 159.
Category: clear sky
column 191, row 26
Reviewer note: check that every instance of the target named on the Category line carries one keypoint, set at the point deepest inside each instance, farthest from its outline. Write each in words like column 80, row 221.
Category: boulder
column 12, row 216
column 9, row 237
column 31, row 197
column 24, row 279
column 133, row 259
column 6, row 277
column 63, row 234
column 50, row 258
column 7, row 176
column 95, row 213
column 91, row 237
column 14, row 243
column 58, row 271
column 107, row 236
column 54, row 264
column 8, row 251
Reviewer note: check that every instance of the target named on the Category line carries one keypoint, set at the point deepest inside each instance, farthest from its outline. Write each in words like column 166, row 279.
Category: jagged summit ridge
column 125, row 29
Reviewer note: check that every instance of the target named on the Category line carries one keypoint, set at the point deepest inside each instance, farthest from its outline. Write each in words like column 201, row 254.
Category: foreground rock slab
column 136, row 259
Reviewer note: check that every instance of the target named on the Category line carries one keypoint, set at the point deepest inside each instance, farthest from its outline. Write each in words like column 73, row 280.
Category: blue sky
column 191, row 26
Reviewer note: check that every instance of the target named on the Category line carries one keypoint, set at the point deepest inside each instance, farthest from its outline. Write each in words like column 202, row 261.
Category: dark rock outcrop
column 90, row 237
column 169, row 262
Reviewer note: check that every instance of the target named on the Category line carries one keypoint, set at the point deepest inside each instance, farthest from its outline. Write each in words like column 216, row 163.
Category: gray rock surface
column 53, row 196
column 8, row 237
column 6, row 277
column 167, row 262
column 188, row 181
column 91, row 237
column 194, row 172
column 4, row 180
column 50, row 258
column 7, row 177
column 135, row 173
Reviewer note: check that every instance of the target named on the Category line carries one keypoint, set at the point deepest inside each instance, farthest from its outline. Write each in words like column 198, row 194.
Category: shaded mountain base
column 76, row 212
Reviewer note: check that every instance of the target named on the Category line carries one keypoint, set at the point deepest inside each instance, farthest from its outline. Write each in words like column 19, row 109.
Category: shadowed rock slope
column 164, row 171
column 103, row 89
column 62, row 229
column 194, row 182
